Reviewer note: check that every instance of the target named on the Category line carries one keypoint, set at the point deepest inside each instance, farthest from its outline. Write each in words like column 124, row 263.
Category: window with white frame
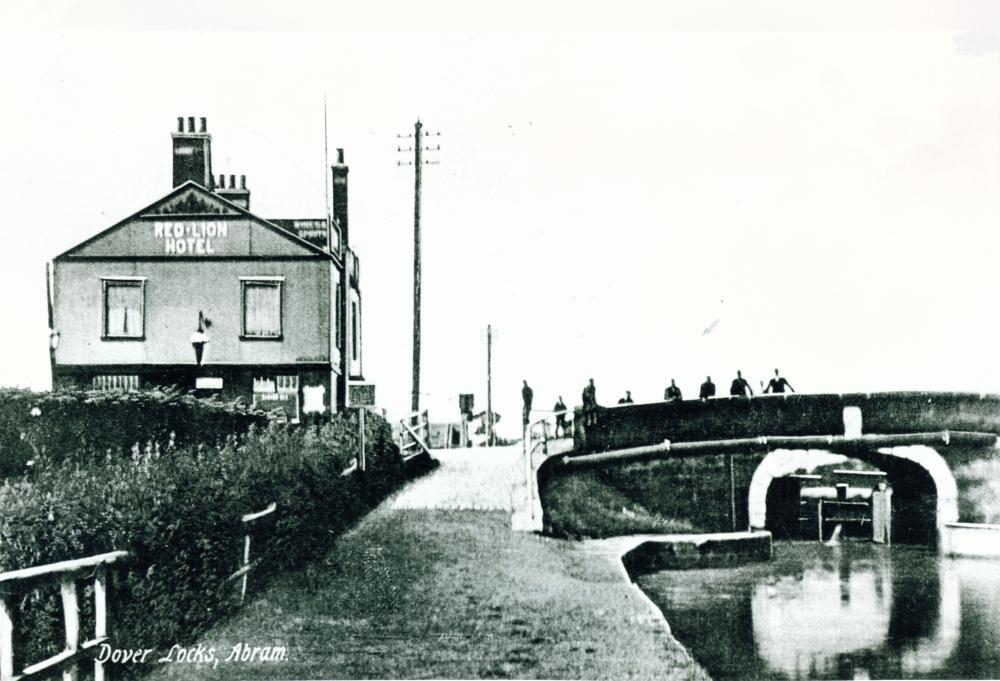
column 262, row 307
column 124, row 307
column 279, row 392
column 116, row 382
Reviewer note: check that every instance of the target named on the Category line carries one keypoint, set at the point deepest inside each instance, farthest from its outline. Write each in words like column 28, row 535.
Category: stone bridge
column 937, row 446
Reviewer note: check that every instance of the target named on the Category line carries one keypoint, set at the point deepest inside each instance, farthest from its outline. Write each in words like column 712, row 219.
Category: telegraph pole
column 418, row 164
column 489, row 386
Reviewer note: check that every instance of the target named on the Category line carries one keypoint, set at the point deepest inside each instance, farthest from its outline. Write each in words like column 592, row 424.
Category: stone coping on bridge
column 970, row 540
column 630, row 425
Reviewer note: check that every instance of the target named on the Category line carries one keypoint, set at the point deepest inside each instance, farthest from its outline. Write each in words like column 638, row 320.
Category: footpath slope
column 434, row 584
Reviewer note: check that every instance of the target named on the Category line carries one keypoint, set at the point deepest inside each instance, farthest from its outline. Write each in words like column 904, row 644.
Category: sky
column 631, row 196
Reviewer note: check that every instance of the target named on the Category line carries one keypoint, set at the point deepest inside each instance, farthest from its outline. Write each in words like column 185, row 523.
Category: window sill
column 123, row 338
column 261, row 338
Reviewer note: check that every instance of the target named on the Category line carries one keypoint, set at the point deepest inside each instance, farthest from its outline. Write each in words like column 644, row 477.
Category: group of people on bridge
column 739, row 387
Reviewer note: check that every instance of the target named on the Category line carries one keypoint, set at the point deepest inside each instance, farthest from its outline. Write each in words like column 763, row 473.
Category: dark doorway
column 783, row 508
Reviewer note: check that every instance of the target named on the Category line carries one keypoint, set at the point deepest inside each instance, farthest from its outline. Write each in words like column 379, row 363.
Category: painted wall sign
column 189, row 237
column 286, row 402
column 361, row 394
column 313, row 399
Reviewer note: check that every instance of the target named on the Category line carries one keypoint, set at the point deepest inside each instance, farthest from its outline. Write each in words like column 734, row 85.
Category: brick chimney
column 239, row 195
column 192, row 153
column 338, row 176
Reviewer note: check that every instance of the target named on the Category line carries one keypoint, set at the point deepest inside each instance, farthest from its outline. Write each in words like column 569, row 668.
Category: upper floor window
column 354, row 330
column 262, row 307
column 124, row 307
column 338, row 305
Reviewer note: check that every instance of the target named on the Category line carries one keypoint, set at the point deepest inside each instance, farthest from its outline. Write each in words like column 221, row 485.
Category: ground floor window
column 116, row 382
column 279, row 392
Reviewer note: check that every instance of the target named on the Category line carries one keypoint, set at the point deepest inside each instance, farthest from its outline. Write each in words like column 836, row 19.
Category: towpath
column 434, row 583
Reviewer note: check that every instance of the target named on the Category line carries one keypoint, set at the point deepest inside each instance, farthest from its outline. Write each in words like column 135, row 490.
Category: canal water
column 853, row 611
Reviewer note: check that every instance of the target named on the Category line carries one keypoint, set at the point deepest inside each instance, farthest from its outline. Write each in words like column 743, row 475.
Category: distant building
column 274, row 303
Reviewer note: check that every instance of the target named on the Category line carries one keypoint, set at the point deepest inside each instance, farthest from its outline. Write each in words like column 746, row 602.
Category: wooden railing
column 414, row 431
column 67, row 573
column 245, row 565
column 536, row 434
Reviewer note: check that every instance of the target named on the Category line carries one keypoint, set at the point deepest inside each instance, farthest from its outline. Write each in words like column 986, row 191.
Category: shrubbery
column 88, row 425
column 177, row 510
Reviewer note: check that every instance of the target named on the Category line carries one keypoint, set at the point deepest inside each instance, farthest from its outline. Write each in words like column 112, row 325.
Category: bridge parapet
column 607, row 428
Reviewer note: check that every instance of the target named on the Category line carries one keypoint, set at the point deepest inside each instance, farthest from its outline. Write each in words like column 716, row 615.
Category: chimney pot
column 340, row 155
column 232, row 182
column 204, row 124
column 180, row 124
column 243, row 181
column 190, row 123
column 222, row 181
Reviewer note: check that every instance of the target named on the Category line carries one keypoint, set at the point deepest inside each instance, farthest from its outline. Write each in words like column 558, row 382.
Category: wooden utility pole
column 418, row 164
column 415, row 401
column 489, row 386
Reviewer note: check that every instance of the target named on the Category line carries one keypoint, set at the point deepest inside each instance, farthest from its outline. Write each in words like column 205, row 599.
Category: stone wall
column 617, row 427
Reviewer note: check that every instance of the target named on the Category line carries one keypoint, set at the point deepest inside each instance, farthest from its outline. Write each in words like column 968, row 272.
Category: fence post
column 71, row 617
column 819, row 516
column 6, row 641
column 245, row 563
column 361, row 457
column 100, row 616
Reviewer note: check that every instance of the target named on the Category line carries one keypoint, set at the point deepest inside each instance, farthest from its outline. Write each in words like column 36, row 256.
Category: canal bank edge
column 636, row 554
column 698, row 551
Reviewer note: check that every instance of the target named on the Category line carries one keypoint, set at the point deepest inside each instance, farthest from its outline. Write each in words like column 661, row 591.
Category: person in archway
column 527, row 394
column 672, row 393
column 627, row 399
column 778, row 384
column 560, row 412
column 739, row 387
column 707, row 389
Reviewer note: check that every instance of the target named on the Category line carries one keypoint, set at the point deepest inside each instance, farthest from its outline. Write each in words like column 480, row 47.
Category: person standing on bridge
column 527, row 394
column 627, row 399
column 560, row 411
column 740, row 387
column 778, row 384
column 672, row 393
column 707, row 389
column 589, row 403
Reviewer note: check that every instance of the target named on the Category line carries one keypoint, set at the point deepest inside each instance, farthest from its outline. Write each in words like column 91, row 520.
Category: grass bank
column 586, row 504
column 445, row 594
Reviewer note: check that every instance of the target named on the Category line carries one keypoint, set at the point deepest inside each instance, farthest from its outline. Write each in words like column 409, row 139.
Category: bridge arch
column 784, row 462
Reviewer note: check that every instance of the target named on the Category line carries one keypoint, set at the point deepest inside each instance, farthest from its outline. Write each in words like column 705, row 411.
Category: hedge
column 177, row 511
column 86, row 425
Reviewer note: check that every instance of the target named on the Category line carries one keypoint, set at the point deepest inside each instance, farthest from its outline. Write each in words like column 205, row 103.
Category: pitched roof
column 191, row 199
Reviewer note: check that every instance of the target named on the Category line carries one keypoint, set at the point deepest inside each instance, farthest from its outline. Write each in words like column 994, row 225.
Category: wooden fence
column 414, row 431
column 67, row 573
column 245, row 564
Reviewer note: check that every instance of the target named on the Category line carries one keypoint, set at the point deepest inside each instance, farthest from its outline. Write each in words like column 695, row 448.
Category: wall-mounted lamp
column 53, row 340
column 199, row 338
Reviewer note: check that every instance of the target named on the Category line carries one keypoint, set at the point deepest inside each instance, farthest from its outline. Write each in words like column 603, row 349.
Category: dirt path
column 435, row 584
column 477, row 479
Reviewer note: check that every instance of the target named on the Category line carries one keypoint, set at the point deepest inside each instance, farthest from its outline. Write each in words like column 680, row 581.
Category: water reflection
column 851, row 611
